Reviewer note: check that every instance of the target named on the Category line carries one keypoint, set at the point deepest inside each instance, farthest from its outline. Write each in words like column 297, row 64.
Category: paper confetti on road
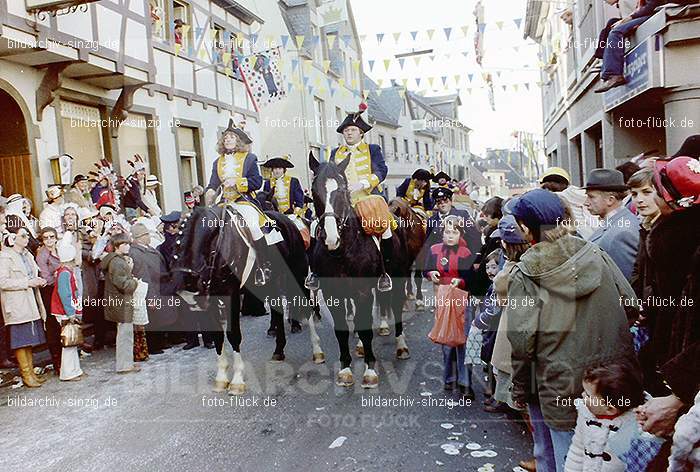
column 338, row 442
column 473, row 446
column 447, row 425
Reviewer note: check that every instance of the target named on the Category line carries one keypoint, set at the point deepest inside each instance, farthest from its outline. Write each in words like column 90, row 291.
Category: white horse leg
column 384, row 326
column 221, row 380
column 318, row 356
column 370, row 379
column 402, row 347
column 237, row 385
column 360, row 349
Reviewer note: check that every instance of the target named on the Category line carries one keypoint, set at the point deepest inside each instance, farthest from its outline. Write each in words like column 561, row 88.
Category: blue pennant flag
column 517, row 22
column 254, row 39
column 371, row 64
column 417, row 81
column 447, row 31
column 311, row 89
column 346, row 39
column 444, row 80
column 401, row 62
column 332, row 90
column 295, row 64
column 471, row 76
column 482, row 27
column 290, row 86
column 414, row 34
column 284, row 39
column 380, row 36
column 306, row 81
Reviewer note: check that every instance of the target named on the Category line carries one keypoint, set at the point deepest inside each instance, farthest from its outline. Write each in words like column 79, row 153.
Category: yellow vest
column 230, row 166
column 414, row 195
column 282, row 192
column 360, row 168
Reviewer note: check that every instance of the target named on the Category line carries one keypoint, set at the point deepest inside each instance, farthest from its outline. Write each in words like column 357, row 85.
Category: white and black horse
column 348, row 263
column 212, row 264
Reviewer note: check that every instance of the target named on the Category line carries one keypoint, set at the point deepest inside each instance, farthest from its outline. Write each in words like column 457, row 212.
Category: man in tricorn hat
column 416, row 190
column 443, row 180
column 365, row 173
column 235, row 172
column 618, row 232
column 285, row 188
column 79, row 192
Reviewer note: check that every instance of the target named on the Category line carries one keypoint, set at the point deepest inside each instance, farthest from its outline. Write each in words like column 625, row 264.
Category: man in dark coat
column 150, row 266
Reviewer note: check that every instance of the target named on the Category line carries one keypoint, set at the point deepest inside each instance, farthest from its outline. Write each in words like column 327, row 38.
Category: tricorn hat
column 240, row 133
column 440, row 175
column 422, row 174
column 611, row 180
column 278, row 162
column 355, row 119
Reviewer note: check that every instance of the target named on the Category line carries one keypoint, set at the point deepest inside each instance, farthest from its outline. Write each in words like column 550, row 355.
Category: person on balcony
column 612, row 72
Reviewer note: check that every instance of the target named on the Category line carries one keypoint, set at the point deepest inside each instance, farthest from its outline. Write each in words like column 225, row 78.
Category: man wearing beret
column 618, row 228
column 564, row 315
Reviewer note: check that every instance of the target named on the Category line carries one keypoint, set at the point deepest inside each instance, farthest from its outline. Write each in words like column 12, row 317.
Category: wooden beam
column 51, row 81
column 120, row 112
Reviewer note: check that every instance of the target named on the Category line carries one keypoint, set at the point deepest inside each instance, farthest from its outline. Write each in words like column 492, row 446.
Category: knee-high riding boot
column 387, row 251
column 26, row 367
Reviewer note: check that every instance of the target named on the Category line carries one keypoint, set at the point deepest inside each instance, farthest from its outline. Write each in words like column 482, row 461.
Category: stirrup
column 384, row 283
column 261, row 276
column 312, row 282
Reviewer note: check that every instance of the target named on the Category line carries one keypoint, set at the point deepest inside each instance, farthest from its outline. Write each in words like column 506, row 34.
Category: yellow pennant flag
column 356, row 65
column 202, row 53
column 317, row 81
column 387, row 63
column 465, row 30
column 226, row 57
column 380, row 82
column 240, row 37
column 515, row 87
column 404, row 82
column 212, row 34
column 341, row 82
column 499, row 25
column 326, row 66
column 158, row 24
column 430, row 32
column 458, row 78
column 365, row 94
column 402, row 93
column 228, row 71
column 253, row 60
column 307, row 65
column 354, row 83
column 397, row 36
column 185, row 29
column 300, row 40
column 431, row 80
column 417, row 59
column 379, row 92
column 331, row 40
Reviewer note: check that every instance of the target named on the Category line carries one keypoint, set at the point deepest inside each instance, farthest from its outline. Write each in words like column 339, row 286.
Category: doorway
column 15, row 157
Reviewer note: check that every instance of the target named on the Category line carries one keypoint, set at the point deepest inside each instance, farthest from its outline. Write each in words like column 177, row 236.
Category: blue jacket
column 378, row 164
column 296, row 193
column 619, row 237
column 403, row 188
column 250, row 172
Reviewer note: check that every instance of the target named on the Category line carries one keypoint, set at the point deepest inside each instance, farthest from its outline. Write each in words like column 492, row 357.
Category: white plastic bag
column 139, row 297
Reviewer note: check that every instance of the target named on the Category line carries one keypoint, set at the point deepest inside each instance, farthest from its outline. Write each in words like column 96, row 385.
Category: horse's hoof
column 220, row 386
column 278, row 357
column 319, row 358
column 410, row 296
column 236, row 389
column 271, row 333
column 383, row 331
column 344, row 378
column 370, row 379
column 360, row 351
column 419, row 303
column 406, row 306
column 296, row 328
column 403, row 354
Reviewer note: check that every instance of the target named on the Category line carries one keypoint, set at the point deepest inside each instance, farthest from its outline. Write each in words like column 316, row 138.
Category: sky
column 514, row 109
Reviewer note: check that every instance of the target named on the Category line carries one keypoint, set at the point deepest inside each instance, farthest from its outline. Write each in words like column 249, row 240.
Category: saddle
column 375, row 215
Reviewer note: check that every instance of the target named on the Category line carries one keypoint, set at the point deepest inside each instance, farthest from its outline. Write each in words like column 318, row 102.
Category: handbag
column 71, row 334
